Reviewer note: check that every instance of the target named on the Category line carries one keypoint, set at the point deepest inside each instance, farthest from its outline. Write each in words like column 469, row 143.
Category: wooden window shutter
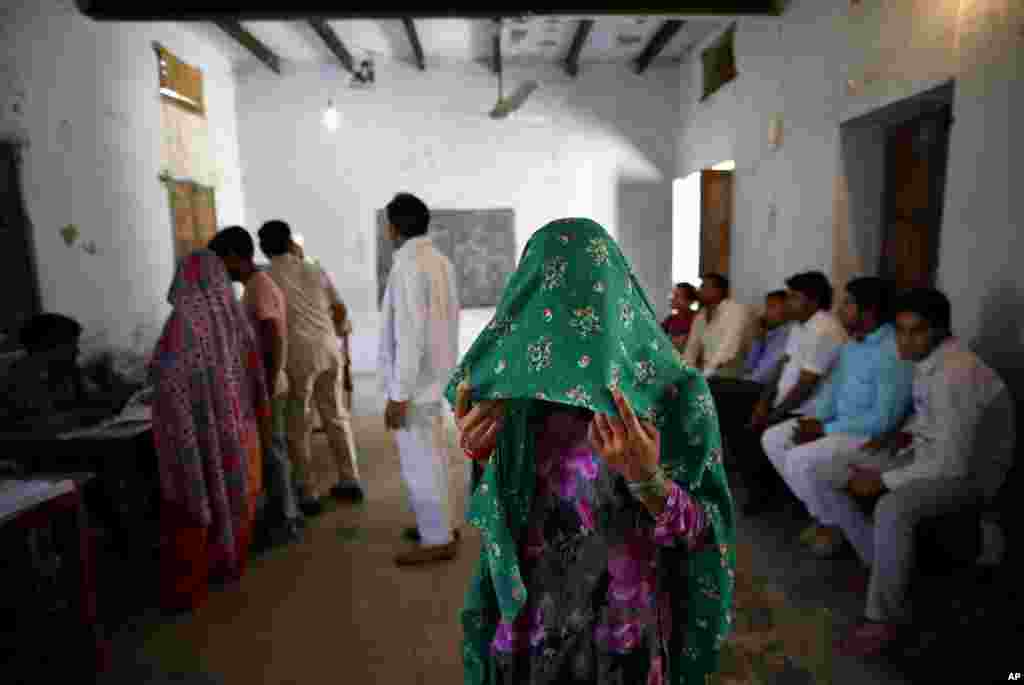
column 194, row 216
column 180, row 83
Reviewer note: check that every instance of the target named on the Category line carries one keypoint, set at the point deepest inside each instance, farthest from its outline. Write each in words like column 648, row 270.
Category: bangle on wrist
column 657, row 484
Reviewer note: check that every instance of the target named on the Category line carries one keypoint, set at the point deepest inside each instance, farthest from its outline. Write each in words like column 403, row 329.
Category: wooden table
column 89, row 655
column 124, row 495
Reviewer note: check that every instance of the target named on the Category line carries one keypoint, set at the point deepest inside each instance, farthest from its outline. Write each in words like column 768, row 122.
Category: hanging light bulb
column 331, row 117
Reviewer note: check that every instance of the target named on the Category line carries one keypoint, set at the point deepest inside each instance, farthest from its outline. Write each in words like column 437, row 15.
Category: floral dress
column 586, row 526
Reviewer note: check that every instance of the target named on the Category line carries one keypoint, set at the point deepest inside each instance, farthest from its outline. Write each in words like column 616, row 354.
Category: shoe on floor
column 827, row 543
column 311, row 507
column 285, row 533
column 428, row 555
column 413, row 534
column 867, row 639
column 348, row 490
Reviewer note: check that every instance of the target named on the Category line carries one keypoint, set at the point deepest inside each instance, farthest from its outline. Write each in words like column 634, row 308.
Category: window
column 719, row 63
column 189, row 170
column 193, row 215
column 180, row 83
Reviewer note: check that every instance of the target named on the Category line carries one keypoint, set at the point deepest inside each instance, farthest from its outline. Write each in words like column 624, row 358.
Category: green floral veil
column 573, row 320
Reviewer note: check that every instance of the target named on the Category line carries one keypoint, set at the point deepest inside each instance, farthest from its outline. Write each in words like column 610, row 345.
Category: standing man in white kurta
column 419, row 347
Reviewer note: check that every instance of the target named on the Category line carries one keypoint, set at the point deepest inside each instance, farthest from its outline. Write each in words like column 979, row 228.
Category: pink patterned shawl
column 210, row 388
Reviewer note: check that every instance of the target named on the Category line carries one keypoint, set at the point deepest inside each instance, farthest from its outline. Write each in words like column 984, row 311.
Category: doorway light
column 727, row 165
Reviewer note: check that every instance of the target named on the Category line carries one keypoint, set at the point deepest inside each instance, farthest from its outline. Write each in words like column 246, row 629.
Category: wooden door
column 715, row 221
column 193, row 214
column 915, row 183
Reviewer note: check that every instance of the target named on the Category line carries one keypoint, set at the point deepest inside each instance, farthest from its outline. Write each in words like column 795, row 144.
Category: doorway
column 702, row 223
column 916, row 152
column 716, row 218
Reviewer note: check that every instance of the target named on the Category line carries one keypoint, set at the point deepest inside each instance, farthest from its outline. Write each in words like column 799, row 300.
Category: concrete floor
column 318, row 612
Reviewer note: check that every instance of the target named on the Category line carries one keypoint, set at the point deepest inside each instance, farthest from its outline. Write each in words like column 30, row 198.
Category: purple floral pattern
column 569, row 523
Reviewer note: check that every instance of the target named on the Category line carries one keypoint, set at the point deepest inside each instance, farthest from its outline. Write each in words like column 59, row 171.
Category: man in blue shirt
column 735, row 397
column 867, row 395
column 770, row 345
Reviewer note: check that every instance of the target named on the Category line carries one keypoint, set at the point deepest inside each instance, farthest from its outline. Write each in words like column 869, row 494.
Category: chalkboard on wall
column 481, row 243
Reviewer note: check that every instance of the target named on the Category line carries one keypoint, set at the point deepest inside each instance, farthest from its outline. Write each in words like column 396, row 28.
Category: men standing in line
column 418, row 353
column 339, row 313
column 315, row 369
column 266, row 306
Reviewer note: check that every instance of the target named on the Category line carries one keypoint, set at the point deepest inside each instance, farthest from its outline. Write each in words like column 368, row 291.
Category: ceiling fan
column 507, row 105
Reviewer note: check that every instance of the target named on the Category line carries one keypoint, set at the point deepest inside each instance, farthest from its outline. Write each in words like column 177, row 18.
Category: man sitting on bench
column 927, row 474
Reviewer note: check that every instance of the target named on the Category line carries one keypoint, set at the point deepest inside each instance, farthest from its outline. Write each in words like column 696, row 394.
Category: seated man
column 866, row 396
column 735, row 397
column 722, row 332
column 811, row 351
column 770, row 343
column 928, row 473
column 677, row 326
column 47, row 392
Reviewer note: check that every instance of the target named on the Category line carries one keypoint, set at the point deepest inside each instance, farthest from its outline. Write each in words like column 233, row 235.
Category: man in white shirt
column 942, row 461
column 722, row 333
column 314, row 368
column 419, row 347
column 811, row 352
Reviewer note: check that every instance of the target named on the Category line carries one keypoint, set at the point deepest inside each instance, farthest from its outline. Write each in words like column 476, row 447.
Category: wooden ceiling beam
column 665, row 33
column 414, row 40
column 333, row 43
column 572, row 61
column 303, row 10
column 496, row 51
column 251, row 43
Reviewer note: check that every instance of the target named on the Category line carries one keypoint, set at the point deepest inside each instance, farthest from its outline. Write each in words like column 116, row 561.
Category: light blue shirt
column 870, row 391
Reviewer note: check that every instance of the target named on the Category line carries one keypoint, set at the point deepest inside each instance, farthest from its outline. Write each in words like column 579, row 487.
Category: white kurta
column 419, row 347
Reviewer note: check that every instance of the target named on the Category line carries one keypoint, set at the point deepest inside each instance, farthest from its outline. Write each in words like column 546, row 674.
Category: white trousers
column 423, row 449
column 802, row 466
column 885, row 543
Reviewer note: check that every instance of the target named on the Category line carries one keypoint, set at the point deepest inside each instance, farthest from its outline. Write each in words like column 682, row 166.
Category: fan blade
column 516, row 99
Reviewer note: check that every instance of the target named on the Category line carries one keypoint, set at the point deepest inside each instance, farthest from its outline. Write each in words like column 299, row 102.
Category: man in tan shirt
column 339, row 312
column 722, row 333
column 315, row 368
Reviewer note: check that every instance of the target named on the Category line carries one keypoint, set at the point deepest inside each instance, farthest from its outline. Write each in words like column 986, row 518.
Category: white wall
column 798, row 65
column 604, row 150
column 99, row 170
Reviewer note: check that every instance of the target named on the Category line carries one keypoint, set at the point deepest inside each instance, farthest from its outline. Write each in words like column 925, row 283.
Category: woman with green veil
column 607, row 523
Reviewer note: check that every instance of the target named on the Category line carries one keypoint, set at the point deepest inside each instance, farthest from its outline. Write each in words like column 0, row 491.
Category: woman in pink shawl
column 210, row 407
